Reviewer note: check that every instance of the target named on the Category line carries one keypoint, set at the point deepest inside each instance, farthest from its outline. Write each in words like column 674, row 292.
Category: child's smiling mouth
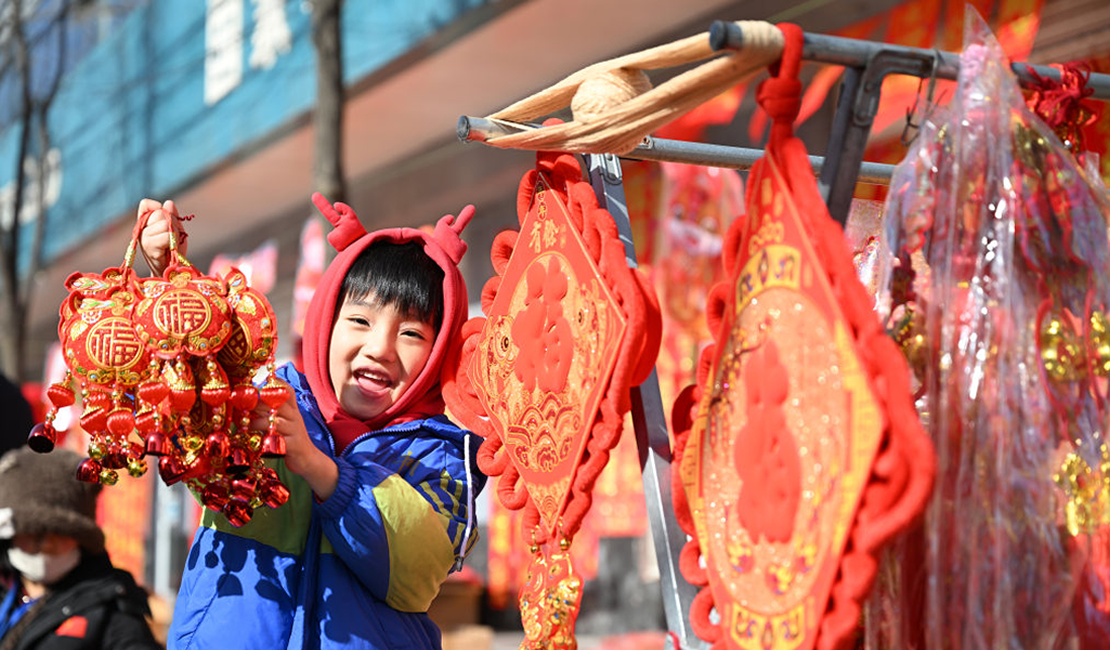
column 372, row 382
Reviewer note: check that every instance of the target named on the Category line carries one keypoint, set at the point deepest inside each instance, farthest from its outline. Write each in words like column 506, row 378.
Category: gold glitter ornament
column 910, row 336
column 1100, row 344
column 1061, row 354
column 1086, row 492
column 136, row 467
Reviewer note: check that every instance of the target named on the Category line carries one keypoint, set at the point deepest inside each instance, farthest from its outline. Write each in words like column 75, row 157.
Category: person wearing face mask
column 62, row 592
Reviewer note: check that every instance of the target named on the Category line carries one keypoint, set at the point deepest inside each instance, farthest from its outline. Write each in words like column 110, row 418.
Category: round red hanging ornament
column 60, row 395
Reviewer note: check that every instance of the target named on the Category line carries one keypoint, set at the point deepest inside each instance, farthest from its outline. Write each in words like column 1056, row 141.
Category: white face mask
column 43, row 568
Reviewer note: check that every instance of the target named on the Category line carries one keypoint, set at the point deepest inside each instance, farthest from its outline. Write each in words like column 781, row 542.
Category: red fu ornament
column 800, row 451
column 546, row 377
column 165, row 368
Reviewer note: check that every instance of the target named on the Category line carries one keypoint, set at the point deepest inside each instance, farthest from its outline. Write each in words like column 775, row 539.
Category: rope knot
column 781, row 97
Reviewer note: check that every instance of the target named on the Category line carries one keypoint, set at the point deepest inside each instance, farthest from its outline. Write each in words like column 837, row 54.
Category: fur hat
column 40, row 493
column 18, row 418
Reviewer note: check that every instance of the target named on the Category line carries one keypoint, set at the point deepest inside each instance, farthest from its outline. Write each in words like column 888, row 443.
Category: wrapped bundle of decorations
column 798, row 452
column 164, row 367
column 1011, row 340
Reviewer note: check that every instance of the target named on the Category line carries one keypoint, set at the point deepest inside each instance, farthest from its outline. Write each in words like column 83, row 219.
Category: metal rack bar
column 856, row 53
column 479, row 129
column 650, row 425
column 867, row 64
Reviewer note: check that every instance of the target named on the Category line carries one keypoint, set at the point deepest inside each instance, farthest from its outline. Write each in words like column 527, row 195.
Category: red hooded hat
column 423, row 398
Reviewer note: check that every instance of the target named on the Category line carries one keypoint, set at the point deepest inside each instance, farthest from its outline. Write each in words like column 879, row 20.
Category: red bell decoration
column 215, row 495
column 135, row 450
column 238, row 461
column 43, row 437
column 170, row 468
column 274, row 494
column 273, row 446
column 89, row 471
column 114, row 457
column 217, row 445
column 243, row 488
column 157, row 444
column 272, row 491
column 237, row 513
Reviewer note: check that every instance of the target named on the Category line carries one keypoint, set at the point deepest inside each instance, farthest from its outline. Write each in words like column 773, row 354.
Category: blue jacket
column 358, row 570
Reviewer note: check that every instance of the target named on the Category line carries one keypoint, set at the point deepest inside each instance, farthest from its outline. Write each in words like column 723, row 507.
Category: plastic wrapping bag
column 1009, row 338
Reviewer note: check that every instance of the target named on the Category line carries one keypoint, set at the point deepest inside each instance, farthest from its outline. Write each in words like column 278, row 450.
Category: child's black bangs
column 397, row 275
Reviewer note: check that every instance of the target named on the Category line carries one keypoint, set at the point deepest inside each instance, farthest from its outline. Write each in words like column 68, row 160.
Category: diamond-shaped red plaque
column 788, row 429
column 546, row 378
column 804, row 455
column 547, row 351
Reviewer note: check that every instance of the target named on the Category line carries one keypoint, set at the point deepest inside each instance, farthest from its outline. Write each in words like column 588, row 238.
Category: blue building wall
column 131, row 120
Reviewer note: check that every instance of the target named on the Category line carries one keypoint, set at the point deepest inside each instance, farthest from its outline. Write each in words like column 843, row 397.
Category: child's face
column 374, row 356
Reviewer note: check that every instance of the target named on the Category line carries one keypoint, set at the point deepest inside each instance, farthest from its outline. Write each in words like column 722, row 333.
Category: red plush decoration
column 546, row 377
column 799, row 451
column 165, row 368
column 1060, row 104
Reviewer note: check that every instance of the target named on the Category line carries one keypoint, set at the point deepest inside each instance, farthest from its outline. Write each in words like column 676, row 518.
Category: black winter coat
column 96, row 606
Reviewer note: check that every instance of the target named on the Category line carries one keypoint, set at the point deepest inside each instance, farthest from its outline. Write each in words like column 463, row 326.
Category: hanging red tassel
column 244, row 397
column 1060, row 103
column 170, row 468
column 121, row 422
column 153, row 392
column 214, row 496
column 60, row 395
column 94, row 420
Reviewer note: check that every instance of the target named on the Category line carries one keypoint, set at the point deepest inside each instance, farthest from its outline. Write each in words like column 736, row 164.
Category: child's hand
column 155, row 237
column 302, row 457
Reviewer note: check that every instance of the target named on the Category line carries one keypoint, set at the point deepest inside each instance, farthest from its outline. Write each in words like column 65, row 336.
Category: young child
column 382, row 483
